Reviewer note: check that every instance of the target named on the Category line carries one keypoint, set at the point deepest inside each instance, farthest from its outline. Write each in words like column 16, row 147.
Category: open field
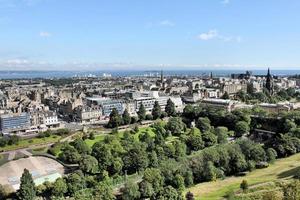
column 281, row 169
column 120, row 135
column 30, row 142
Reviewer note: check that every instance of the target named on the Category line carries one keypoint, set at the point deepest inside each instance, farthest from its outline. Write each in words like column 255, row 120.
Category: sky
column 149, row 34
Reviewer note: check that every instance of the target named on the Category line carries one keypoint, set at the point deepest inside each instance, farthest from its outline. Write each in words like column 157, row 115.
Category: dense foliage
column 202, row 144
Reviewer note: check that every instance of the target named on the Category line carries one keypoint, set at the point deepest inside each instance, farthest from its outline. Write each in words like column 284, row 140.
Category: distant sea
column 68, row 74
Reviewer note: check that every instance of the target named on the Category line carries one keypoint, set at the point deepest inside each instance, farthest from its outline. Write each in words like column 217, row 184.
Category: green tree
column 104, row 191
column 141, row 112
column 69, row 154
column 153, row 159
column 146, row 189
column 102, row 152
column 188, row 178
column 126, row 117
column 222, row 134
column 155, row 178
column 241, row 95
column 156, row 111
column 27, row 188
column 271, row 155
column 203, row 123
column 179, row 183
column 189, row 196
column 116, row 166
column 225, row 95
column 176, row 126
column 131, row 191
column 88, row 164
column 75, row 182
column 292, row 191
column 14, row 139
column 210, row 171
column 136, row 158
column 195, row 142
column 81, row 146
column 241, row 128
column 168, row 193
column 289, row 125
column 250, row 89
column 209, row 138
column 244, row 185
column 85, row 194
column 59, row 187
column 115, row 119
column 170, row 108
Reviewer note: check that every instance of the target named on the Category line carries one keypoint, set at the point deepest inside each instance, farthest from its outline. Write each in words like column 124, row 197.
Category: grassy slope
column 281, row 169
column 120, row 134
column 29, row 142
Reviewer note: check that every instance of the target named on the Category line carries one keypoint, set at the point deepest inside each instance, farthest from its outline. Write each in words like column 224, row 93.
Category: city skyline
column 140, row 35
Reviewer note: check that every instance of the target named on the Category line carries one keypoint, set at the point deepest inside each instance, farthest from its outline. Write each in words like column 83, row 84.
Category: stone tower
column 269, row 82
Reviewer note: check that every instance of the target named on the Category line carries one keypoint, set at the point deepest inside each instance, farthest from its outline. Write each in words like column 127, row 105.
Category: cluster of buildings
column 30, row 106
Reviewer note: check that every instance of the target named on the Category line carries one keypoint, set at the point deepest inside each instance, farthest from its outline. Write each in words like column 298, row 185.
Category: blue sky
column 149, row 34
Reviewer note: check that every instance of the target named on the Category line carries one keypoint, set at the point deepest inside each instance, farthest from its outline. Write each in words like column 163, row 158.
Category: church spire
column 269, row 82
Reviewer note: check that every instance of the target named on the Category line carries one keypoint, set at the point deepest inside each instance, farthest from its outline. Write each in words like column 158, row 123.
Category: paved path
column 11, row 155
column 25, row 152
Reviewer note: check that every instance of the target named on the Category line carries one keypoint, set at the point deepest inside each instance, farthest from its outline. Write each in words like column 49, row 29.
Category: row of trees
column 255, row 97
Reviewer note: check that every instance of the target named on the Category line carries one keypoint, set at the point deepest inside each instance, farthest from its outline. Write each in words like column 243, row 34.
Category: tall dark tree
column 225, row 95
column 189, row 196
column 126, row 117
column 244, row 185
column 170, row 108
column 27, row 187
column 141, row 112
column 250, row 89
column 114, row 119
column 156, row 111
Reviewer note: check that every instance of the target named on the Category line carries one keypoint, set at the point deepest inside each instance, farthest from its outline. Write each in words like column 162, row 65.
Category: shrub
column 244, row 185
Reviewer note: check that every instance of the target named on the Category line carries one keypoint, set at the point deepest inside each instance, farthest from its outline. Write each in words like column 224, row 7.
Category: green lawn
column 98, row 138
column 281, row 169
column 3, row 159
column 120, row 135
column 29, row 142
column 39, row 150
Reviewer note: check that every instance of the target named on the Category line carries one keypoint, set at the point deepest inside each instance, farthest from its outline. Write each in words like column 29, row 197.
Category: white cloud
column 225, row 2
column 45, row 34
column 166, row 23
column 16, row 61
column 211, row 34
column 214, row 34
